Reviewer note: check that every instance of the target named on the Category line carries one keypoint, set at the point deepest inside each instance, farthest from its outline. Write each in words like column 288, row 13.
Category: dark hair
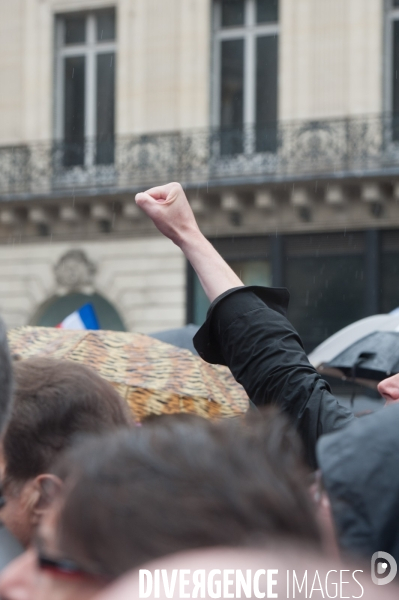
column 5, row 377
column 54, row 401
column 139, row 495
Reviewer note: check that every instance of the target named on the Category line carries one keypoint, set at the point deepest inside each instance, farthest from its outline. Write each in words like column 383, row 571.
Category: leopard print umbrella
column 155, row 378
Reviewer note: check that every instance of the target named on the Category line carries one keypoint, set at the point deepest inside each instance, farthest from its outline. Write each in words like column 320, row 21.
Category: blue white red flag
column 84, row 318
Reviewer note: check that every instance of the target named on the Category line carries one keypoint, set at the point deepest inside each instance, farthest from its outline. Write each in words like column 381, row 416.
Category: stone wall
column 144, row 279
column 331, row 58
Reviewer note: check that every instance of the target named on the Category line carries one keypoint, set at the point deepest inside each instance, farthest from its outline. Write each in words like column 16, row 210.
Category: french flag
column 84, row 318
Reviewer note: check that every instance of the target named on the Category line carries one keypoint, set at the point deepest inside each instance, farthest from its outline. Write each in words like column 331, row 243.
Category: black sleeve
column 246, row 330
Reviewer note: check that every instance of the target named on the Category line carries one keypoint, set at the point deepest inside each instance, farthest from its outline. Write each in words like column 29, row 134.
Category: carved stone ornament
column 74, row 272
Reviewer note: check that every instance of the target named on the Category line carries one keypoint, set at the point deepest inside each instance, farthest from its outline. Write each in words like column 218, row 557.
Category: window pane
column 251, row 272
column 74, row 104
column 106, row 25
column 232, row 96
column 321, row 300
column 390, row 281
column 266, row 93
column 233, row 12
column 105, row 108
column 200, row 301
column 395, row 81
column 75, row 30
column 267, row 11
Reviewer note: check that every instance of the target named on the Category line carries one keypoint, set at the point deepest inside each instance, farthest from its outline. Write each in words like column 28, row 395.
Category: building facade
column 280, row 118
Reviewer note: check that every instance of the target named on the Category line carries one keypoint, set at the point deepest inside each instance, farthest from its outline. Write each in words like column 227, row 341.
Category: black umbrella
column 375, row 357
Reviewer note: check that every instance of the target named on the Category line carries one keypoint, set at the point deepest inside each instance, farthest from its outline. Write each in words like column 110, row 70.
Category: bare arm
column 169, row 209
column 245, row 332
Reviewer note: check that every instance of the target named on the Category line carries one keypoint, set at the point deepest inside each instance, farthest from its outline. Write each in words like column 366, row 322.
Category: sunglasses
column 65, row 567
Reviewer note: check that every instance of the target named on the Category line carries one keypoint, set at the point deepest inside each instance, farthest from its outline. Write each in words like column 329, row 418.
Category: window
column 247, row 256
column 317, row 271
column 85, row 87
column 251, row 272
column 390, row 271
column 246, row 65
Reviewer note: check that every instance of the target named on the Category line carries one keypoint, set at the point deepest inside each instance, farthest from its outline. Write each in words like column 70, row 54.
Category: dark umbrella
column 181, row 337
column 373, row 357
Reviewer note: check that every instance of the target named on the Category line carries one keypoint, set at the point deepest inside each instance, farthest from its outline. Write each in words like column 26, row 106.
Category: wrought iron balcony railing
column 286, row 151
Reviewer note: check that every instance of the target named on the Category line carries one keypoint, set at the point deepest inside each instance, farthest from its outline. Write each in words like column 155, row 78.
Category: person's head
column 280, row 571
column 54, row 401
column 167, row 487
column 5, row 377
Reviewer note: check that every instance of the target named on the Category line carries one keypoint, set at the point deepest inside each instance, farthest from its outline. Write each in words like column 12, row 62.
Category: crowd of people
column 299, row 484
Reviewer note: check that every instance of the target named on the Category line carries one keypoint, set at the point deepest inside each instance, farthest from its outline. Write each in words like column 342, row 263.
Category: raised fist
column 170, row 211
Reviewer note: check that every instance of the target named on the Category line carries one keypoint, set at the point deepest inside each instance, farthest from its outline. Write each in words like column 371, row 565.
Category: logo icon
column 383, row 568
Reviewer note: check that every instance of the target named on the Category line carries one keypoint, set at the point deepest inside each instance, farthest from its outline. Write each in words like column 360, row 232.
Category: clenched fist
column 170, row 211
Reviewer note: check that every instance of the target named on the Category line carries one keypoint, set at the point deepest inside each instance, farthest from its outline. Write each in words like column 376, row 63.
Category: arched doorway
column 52, row 312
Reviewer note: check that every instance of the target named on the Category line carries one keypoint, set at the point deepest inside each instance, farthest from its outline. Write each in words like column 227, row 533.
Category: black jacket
column 246, row 329
column 361, row 477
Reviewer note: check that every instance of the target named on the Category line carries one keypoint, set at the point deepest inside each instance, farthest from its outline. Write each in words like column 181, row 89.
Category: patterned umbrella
column 153, row 377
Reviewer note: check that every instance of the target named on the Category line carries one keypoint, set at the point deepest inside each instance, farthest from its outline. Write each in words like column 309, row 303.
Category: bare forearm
column 215, row 275
column 170, row 211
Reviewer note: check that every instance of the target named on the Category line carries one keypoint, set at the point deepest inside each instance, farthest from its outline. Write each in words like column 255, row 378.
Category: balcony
column 295, row 151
